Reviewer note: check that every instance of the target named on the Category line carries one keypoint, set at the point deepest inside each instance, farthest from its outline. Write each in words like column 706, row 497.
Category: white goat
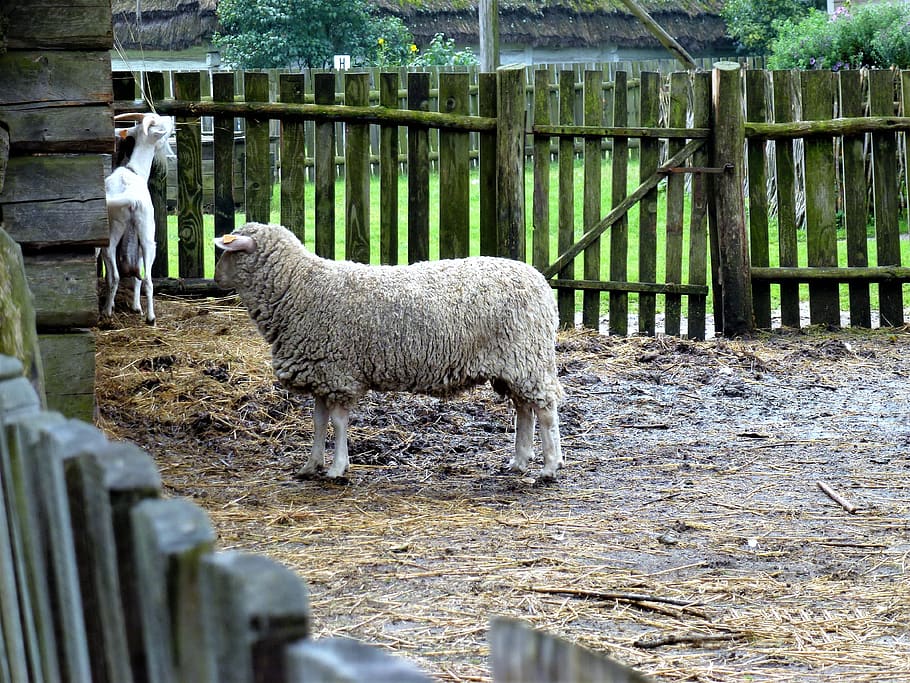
column 131, row 249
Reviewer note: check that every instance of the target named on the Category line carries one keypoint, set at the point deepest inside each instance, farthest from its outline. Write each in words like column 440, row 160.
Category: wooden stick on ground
column 837, row 498
column 648, row 643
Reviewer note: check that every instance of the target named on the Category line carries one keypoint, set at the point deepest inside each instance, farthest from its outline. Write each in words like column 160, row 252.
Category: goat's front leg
column 148, row 258
column 111, row 276
column 316, row 461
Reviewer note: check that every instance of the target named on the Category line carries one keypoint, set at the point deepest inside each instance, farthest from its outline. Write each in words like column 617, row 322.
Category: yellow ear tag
column 227, row 239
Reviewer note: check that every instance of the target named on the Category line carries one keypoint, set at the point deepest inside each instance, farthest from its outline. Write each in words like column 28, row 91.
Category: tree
column 263, row 34
column 754, row 24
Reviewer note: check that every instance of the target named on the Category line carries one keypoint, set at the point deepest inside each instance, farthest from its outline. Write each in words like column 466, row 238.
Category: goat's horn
column 146, row 122
column 133, row 116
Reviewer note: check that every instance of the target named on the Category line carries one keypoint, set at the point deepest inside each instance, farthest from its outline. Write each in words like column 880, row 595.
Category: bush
column 441, row 52
column 874, row 35
column 751, row 23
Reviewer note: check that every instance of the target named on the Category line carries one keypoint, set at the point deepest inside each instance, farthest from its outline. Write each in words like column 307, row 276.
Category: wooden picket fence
column 685, row 143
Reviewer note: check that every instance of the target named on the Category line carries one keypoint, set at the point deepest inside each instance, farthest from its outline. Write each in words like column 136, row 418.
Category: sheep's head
column 233, row 246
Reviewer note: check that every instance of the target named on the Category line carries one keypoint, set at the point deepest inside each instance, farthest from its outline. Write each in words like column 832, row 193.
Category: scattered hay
column 686, row 536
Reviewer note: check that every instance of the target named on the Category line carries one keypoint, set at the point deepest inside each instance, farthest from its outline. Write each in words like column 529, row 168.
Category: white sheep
column 339, row 329
column 131, row 247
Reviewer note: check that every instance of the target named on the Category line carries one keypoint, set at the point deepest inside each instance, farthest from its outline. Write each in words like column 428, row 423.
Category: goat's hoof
column 546, row 476
column 150, row 322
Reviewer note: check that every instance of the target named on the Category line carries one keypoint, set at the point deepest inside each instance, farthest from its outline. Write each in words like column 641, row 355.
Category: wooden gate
column 606, row 123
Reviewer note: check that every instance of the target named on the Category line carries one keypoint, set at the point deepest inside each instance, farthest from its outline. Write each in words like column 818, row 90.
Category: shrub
column 874, row 35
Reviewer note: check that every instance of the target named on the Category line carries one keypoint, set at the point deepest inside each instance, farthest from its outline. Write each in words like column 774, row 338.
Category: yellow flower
column 413, row 47
column 381, row 41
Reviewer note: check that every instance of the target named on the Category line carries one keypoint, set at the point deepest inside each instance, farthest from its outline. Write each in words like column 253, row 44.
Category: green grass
column 208, row 229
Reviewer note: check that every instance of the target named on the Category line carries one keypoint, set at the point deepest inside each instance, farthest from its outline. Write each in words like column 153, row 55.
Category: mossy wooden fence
column 686, row 144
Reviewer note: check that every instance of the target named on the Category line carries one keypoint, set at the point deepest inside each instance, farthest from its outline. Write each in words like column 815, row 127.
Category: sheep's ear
column 233, row 242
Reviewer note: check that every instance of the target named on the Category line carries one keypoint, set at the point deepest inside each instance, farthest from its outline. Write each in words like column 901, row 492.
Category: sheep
column 131, row 246
column 338, row 329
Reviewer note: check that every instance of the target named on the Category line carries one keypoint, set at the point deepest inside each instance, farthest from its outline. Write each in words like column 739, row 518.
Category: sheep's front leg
column 524, row 436
column 549, row 437
column 339, row 417
column 316, row 460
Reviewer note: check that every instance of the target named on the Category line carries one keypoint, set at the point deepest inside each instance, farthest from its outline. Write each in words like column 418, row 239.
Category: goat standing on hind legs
column 131, row 249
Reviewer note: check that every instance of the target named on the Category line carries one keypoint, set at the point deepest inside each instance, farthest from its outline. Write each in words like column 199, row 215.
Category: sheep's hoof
column 546, row 476
column 518, row 466
column 306, row 474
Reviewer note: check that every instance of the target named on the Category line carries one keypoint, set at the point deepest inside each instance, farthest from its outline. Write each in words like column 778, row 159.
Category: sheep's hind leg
column 524, row 436
column 316, row 461
column 340, row 417
column 549, row 437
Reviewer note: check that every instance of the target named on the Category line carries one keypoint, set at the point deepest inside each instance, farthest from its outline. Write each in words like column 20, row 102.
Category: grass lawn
column 436, row 206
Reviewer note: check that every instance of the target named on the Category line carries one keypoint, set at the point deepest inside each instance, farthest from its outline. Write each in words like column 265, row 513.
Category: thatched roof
column 164, row 24
column 177, row 24
column 696, row 24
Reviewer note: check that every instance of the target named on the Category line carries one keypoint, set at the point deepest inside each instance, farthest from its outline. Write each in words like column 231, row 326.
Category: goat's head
column 151, row 129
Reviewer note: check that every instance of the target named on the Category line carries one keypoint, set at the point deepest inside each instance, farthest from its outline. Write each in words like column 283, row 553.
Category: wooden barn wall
column 55, row 101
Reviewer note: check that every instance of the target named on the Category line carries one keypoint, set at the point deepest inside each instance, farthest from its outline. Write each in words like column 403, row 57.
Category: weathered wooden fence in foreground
column 105, row 580
column 689, row 164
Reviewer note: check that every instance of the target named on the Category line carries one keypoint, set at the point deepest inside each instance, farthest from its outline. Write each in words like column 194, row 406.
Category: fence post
column 510, row 122
column 189, row 180
column 734, row 266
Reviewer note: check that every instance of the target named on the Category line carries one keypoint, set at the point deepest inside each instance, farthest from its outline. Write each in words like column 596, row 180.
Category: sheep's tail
column 128, row 254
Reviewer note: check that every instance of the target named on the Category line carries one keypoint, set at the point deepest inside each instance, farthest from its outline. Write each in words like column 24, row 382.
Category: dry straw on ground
column 687, row 535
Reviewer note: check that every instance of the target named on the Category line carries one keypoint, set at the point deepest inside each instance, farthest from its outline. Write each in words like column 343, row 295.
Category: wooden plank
column 223, row 156
column 784, row 84
column 388, row 173
column 510, row 135
column 257, row 608
column 886, row 196
column 593, row 113
column 648, row 287
column 69, row 365
column 344, row 660
column 19, row 436
column 565, row 299
column 821, row 197
column 676, row 116
column 258, row 199
column 893, row 274
column 540, row 216
column 698, row 233
column 486, row 106
column 65, row 288
column 170, row 537
column 77, row 25
column 619, row 233
column 357, row 173
column 647, row 210
column 520, row 653
column 756, row 110
column 96, row 555
column 154, row 92
column 855, row 191
column 418, row 171
column 735, row 286
column 454, row 167
column 291, row 88
column 189, row 181
column 130, row 476
column 324, row 134
column 55, row 200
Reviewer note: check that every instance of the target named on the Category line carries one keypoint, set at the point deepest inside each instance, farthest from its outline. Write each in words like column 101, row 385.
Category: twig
column 610, row 595
column 648, row 643
column 836, row 497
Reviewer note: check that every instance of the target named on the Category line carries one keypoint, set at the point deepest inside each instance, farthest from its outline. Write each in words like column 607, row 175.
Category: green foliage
column 441, row 52
column 874, row 35
column 393, row 43
column 262, row 34
column 753, row 24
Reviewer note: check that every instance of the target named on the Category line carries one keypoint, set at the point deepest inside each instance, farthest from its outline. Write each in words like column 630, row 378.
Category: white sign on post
column 342, row 62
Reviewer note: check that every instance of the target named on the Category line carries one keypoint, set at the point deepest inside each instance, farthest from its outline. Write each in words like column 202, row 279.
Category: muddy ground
column 686, row 536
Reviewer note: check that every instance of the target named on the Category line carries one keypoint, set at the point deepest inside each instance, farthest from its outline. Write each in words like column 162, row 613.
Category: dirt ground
column 687, row 535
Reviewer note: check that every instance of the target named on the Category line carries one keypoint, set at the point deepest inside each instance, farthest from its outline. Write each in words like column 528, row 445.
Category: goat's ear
column 233, row 242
